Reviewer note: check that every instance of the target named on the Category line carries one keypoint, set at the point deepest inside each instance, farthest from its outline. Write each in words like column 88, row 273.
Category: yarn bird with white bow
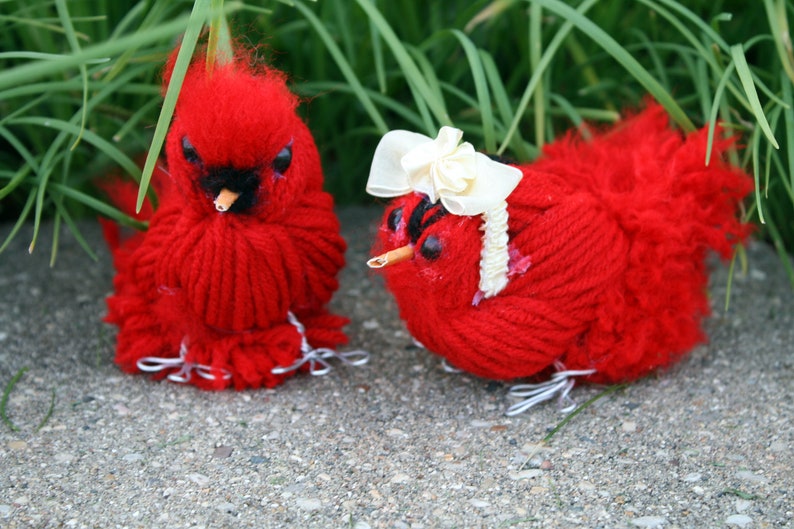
column 588, row 263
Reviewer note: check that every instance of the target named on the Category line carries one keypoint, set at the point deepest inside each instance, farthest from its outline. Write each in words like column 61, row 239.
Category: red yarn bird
column 588, row 262
column 230, row 283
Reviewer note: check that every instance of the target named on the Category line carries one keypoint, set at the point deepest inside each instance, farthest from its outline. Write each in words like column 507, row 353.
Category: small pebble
column 480, row 504
column 5, row 511
column 648, row 521
column 17, row 445
column 130, row 458
column 738, row 519
column 629, row 427
column 63, row 457
column 223, row 451
column 21, row 500
column 309, row 504
column 746, row 475
column 742, row 505
column 226, row 507
column 258, row 460
column 401, row 478
column 199, row 479
column 526, row 474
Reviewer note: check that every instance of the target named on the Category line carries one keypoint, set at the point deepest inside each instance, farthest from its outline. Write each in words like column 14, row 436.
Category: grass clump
column 79, row 85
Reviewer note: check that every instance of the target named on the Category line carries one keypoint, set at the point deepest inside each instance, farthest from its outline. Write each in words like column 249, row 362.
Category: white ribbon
column 560, row 384
column 465, row 181
column 317, row 358
column 153, row 364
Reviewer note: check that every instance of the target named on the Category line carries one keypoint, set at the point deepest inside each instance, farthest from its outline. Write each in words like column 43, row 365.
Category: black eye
column 431, row 248
column 283, row 159
column 394, row 219
column 189, row 152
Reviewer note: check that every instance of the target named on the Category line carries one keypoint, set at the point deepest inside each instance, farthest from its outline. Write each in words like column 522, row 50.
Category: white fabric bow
column 467, row 182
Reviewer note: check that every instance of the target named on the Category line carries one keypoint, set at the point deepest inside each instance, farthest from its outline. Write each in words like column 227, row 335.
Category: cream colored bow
column 467, row 182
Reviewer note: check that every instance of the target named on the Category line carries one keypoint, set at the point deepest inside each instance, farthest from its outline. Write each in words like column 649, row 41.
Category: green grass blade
column 89, row 136
column 481, row 89
column 37, row 55
column 400, row 109
column 71, row 38
column 746, row 77
column 754, row 150
column 23, row 215
column 100, row 206
column 431, row 79
column 407, row 65
column 788, row 119
column 688, row 14
column 502, row 102
column 712, row 119
column 133, row 121
column 573, row 114
column 26, row 73
column 63, row 213
column 623, row 57
column 778, row 25
column 535, row 46
column 780, row 246
column 579, row 409
column 198, row 17
column 545, row 59
column 344, row 67
column 219, row 44
column 6, row 394
column 20, row 148
column 18, row 177
column 49, row 413
column 377, row 56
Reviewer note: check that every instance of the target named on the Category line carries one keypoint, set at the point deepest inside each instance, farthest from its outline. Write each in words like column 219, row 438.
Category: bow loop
column 465, row 181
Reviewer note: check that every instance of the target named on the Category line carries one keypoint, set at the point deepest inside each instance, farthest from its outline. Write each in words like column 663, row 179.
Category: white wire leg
column 317, row 358
column 559, row 385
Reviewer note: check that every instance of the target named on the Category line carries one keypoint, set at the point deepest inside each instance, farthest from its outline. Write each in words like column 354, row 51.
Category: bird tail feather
column 674, row 208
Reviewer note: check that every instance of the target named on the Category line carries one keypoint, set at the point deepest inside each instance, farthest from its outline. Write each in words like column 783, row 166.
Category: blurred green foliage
column 80, row 94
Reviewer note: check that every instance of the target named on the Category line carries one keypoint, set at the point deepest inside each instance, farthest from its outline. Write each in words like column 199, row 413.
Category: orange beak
column 395, row 256
column 225, row 200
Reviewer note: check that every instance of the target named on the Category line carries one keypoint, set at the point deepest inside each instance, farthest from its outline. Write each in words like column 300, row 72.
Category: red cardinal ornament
column 589, row 261
column 229, row 285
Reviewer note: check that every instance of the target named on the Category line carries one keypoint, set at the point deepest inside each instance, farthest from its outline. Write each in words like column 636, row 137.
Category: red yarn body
column 608, row 240
column 219, row 285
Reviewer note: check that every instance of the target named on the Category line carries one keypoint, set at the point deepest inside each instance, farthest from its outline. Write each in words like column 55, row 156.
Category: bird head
column 236, row 144
column 441, row 181
column 431, row 255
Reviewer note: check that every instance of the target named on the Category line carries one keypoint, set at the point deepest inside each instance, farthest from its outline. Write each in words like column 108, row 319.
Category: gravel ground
column 398, row 443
